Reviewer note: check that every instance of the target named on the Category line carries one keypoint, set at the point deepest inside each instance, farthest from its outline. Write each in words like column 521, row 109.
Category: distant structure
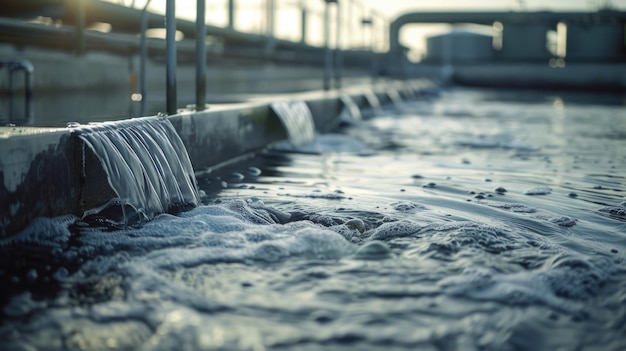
column 585, row 36
column 459, row 47
column 556, row 50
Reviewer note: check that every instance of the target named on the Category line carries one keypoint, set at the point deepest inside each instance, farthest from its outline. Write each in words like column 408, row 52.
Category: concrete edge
column 49, row 171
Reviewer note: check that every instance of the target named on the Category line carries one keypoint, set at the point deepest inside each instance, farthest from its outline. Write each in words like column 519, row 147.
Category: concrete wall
column 50, row 172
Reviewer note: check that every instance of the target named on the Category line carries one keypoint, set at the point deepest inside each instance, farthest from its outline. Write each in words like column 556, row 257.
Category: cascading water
column 297, row 119
column 394, row 96
column 350, row 108
column 146, row 164
column 373, row 101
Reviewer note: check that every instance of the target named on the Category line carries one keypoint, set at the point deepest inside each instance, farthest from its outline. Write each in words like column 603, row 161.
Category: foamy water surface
column 472, row 220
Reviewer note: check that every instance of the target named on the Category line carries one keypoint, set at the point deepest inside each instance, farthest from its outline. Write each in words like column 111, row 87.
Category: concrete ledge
column 50, row 172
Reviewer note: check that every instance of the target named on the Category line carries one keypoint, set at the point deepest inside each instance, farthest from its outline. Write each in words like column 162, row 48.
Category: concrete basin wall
column 50, row 171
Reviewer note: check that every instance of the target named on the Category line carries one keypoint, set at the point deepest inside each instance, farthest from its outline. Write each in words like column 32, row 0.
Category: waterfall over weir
column 297, row 120
column 146, row 164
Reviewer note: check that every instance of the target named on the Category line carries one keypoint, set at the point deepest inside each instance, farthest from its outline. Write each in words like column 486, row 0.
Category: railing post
column 29, row 79
column 80, row 27
column 170, row 43
column 11, row 93
column 29, row 71
column 231, row 14
column 303, row 23
column 338, row 58
column 369, row 22
column 200, row 55
column 143, row 49
column 328, row 57
column 270, row 14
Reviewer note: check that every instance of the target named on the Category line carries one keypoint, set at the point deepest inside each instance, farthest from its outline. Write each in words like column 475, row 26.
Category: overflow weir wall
column 50, row 172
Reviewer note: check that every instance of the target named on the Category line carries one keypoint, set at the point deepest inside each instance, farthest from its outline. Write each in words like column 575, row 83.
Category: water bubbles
column 618, row 212
column 406, row 206
column 32, row 276
column 61, row 274
column 236, row 177
column 564, row 221
column 72, row 125
column 513, row 207
column 500, row 190
column 540, row 190
column 373, row 250
column 388, row 231
column 356, row 224
column 253, row 171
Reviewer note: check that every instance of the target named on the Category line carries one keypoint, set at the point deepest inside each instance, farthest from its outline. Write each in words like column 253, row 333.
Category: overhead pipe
column 200, row 55
column 170, row 47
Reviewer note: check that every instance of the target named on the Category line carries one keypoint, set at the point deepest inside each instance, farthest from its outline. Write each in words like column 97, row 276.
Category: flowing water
column 146, row 163
column 297, row 119
column 471, row 220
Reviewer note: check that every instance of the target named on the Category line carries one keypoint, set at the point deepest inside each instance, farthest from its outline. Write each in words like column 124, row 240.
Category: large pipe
column 170, row 44
column 488, row 17
column 200, row 55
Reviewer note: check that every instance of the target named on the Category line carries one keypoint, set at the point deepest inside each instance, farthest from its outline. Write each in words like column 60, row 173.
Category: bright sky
column 251, row 16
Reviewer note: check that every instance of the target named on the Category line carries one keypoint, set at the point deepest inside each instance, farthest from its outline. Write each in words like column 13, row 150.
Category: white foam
column 398, row 229
column 232, row 232
column 521, row 288
column 42, row 231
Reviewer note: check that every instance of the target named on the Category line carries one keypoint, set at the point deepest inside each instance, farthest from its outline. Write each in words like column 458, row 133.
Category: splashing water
column 373, row 101
column 350, row 111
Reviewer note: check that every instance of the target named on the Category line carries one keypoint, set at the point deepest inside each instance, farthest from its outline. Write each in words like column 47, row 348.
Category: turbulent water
column 471, row 220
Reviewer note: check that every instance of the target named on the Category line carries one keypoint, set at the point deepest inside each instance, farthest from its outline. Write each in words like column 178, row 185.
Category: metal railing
column 333, row 62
